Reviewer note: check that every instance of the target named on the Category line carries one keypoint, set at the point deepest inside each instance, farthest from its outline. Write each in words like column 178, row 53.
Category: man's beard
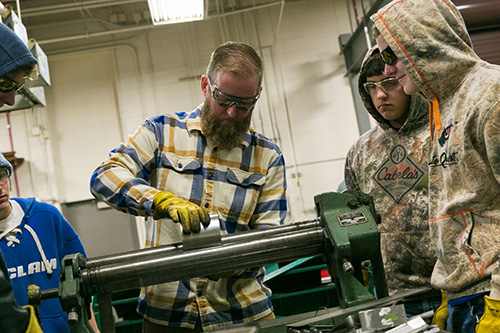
column 224, row 137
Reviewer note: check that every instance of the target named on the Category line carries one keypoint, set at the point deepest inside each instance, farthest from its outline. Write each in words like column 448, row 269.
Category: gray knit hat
column 5, row 164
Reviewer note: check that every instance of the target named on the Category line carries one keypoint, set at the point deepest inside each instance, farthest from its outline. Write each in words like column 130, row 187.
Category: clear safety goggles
column 386, row 85
column 226, row 100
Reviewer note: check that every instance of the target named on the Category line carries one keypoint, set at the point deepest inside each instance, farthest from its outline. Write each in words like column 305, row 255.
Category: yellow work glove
column 167, row 204
column 33, row 324
column 490, row 321
column 441, row 314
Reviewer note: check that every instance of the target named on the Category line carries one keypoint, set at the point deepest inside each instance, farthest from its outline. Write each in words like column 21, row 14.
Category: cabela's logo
column 398, row 174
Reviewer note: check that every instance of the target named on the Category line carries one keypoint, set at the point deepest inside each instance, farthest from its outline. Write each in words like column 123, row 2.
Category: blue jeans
column 415, row 308
column 463, row 318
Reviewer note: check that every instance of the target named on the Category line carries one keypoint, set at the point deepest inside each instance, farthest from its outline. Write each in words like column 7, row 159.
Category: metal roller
column 171, row 263
column 167, row 250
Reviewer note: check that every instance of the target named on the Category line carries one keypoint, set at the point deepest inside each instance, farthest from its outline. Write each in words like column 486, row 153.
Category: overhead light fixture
column 175, row 11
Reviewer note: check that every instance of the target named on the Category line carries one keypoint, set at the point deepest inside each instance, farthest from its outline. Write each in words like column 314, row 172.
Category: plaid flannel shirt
column 245, row 186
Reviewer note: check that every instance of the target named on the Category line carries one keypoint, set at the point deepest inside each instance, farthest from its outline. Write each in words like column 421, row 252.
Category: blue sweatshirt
column 39, row 264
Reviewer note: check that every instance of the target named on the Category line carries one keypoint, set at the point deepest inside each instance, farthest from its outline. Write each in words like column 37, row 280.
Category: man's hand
column 166, row 204
column 441, row 314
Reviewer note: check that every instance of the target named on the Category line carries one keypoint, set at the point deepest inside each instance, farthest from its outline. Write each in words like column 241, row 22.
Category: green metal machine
column 350, row 222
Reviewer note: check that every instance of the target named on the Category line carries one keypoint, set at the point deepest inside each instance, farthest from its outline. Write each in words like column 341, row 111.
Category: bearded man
column 178, row 168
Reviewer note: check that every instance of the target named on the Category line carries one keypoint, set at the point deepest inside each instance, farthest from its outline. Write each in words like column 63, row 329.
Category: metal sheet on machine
column 209, row 236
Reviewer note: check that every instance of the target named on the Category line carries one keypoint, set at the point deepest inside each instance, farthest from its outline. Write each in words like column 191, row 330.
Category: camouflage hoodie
column 431, row 40
column 391, row 165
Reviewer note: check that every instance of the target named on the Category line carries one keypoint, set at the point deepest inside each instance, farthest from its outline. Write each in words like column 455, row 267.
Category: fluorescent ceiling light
column 175, row 11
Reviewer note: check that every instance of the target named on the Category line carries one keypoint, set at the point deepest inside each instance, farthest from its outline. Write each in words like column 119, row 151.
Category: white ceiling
column 60, row 25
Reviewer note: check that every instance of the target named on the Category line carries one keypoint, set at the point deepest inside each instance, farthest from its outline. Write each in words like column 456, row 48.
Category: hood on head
column 13, row 52
column 365, row 97
column 430, row 39
column 418, row 115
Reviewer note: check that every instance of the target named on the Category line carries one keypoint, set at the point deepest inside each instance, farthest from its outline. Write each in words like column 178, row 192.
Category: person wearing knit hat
column 34, row 236
column 17, row 65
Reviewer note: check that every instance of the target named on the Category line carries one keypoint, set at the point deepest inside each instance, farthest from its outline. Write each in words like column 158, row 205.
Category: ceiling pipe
column 9, row 129
column 19, row 10
column 91, row 35
column 144, row 27
column 55, row 9
column 479, row 14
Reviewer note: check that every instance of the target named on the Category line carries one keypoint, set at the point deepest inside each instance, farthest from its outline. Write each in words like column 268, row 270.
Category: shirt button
column 210, row 177
column 179, row 165
column 199, row 294
column 207, row 205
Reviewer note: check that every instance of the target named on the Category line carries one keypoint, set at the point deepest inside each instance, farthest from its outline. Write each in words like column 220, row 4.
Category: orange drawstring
column 434, row 118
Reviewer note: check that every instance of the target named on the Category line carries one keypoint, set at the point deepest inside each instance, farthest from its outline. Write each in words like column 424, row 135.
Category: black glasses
column 226, row 100
column 388, row 56
column 386, row 85
column 7, row 85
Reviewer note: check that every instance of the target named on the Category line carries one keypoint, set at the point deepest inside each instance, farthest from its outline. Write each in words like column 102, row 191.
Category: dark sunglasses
column 388, row 56
column 226, row 100
column 7, row 85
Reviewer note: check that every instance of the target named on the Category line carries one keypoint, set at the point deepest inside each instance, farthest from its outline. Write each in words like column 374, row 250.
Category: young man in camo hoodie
column 389, row 162
column 425, row 44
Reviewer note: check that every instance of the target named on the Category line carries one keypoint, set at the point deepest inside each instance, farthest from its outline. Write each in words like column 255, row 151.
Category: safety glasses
column 4, row 176
column 226, row 100
column 386, row 85
column 388, row 56
column 7, row 84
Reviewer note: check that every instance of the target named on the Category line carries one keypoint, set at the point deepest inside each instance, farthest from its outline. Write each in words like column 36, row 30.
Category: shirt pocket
column 180, row 163
column 240, row 194
column 176, row 174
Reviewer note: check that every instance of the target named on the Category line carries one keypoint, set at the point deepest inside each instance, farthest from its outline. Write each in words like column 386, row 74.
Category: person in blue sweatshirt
column 34, row 238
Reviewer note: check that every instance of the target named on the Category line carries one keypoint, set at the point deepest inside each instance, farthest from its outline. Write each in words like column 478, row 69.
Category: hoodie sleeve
column 492, row 140
column 492, row 144
column 350, row 179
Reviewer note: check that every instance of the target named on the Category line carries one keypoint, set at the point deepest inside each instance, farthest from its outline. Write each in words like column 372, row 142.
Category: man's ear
column 204, row 85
